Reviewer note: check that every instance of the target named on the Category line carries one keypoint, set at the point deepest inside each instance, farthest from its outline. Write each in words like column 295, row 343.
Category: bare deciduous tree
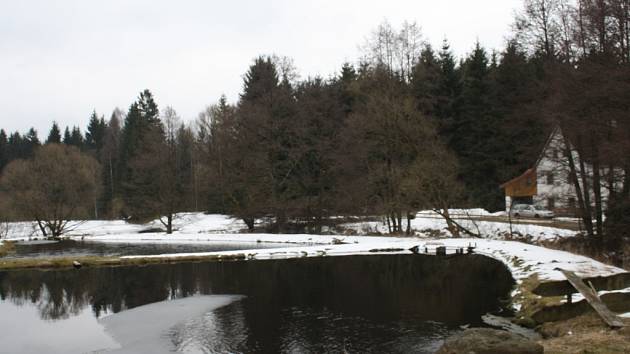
column 538, row 25
column 57, row 185
column 396, row 50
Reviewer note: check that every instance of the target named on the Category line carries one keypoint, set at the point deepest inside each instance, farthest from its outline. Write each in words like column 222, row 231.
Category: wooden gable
column 522, row 186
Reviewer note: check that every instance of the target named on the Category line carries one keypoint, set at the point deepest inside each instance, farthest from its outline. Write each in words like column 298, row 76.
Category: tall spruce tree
column 4, row 144
column 73, row 137
column 142, row 124
column 448, row 92
column 266, row 138
column 518, row 96
column 346, row 83
column 425, row 81
column 54, row 136
column 16, row 147
column 95, row 133
column 475, row 135
column 31, row 142
column 67, row 137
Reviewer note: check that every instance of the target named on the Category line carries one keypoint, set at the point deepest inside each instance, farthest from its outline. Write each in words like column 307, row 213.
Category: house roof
column 541, row 155
column 555, row 131
column 514, row 180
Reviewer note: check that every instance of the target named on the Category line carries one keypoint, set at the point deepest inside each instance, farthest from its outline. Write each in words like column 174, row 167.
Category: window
column 549, row 177
column 551, row 203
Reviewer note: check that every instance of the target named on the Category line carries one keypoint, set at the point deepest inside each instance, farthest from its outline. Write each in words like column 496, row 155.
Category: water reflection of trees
column 452, row 289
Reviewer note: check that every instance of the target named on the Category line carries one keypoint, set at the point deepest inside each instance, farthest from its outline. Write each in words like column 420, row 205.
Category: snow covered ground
column 426, row 223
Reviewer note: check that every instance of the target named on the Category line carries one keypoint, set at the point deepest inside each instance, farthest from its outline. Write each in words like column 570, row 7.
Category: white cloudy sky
column 61, row 59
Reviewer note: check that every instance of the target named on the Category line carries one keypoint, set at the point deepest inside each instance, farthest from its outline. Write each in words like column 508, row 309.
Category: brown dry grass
column 6, row 247
column 584, row 334
column 99, row 261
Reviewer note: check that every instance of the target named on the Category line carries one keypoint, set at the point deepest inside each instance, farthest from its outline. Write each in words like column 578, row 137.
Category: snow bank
column 522, row 259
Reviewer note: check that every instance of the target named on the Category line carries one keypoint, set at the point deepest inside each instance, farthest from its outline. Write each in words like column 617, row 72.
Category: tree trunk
column 626, row 181
column 597, row 190
column 249, row 221
column 169, row 224
column 583, row 205
column 42, row 228
column 452, row 228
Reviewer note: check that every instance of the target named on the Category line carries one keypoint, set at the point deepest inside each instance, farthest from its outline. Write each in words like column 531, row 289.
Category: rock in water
column 76, row 264
column 489, row 341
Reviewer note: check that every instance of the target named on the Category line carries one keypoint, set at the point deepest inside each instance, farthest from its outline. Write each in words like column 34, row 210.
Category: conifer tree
column 518, row 97
column 265, row 140
column 4, row 144
column 16, row 147
column 73, row 137
column 347, row 95
column 95, row 133
column 67, row 137
column 54, row 136
column 31, row 142
column 449, row 90
column 475, row 135
column 425, row 80
column 141, row 125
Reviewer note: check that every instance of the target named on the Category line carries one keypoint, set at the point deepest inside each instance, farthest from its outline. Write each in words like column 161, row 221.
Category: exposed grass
column 6, row 247
column 103, row 261
column 585, row 334
column 530, row 302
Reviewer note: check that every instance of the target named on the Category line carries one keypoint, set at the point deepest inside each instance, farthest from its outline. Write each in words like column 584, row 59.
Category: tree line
column 408, row 127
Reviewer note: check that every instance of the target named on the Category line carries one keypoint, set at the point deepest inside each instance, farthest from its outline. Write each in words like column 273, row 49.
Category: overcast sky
column 61, row 59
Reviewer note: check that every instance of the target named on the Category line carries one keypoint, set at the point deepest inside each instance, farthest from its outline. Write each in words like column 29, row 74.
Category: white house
column 548, row 182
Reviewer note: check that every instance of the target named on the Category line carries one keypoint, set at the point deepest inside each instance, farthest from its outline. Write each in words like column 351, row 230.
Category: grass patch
column 104, row 261
column 6, row 247
column 530, row 302
column 585, row 334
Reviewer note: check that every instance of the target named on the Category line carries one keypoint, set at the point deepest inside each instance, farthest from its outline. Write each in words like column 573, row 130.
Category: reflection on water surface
column 402, row 303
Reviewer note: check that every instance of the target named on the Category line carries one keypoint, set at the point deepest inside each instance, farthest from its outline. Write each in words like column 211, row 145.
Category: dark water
column 68, row 248
column 361, row 304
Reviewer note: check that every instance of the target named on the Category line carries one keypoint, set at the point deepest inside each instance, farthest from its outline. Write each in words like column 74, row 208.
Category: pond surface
column 67, row 248
column 359, row 304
